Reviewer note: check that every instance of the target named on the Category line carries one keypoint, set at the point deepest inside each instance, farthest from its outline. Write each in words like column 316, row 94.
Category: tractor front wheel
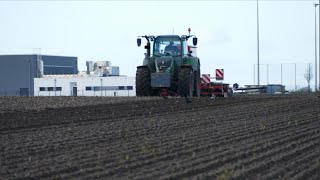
column 143, row 82
column 185, row 82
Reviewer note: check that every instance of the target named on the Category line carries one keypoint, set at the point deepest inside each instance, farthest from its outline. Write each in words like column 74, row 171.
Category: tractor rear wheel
column 185, row 82
column 197, row 84
column 143, row 82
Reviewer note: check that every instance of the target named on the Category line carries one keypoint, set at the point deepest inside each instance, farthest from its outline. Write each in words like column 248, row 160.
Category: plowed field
column 247, row 137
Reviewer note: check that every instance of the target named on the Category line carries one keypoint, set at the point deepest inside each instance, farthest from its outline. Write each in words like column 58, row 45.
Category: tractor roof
column 168, row 37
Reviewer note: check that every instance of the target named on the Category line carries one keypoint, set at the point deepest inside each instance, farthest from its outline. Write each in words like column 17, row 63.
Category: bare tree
column 308, row 75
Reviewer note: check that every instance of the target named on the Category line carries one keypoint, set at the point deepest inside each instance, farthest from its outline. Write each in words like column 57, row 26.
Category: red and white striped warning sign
column 205, row 78
column 219, row 74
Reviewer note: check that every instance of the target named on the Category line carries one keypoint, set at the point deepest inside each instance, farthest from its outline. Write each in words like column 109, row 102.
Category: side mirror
column 195, row 41
column 138, row 41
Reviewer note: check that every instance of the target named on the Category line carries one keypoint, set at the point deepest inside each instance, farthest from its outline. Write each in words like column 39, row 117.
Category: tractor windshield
column 167, row 46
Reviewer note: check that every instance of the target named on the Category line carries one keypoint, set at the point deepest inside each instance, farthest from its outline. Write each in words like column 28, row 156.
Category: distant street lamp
column 101, row 86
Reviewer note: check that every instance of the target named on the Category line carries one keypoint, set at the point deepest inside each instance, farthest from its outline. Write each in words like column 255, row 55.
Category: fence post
column 254, row 74
column 281, row 73
column 268, row 73
column 295, row 76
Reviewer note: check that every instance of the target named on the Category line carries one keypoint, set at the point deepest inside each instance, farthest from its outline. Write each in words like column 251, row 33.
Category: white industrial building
column 100, row 79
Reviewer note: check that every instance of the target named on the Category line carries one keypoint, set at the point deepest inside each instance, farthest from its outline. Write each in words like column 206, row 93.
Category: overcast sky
column 226, row 31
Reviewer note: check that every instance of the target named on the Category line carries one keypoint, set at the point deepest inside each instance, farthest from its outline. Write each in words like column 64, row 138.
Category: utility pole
column 315, row 48
column 258, row 53
column 319, row 45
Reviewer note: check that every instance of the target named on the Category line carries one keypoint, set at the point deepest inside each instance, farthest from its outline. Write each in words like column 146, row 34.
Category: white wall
column 109, row 83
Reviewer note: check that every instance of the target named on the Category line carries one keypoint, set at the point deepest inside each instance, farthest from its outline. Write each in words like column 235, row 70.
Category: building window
column 96, row 88
column 108, row 88
column 42, row 89
column 58, row 88
column 50, row 88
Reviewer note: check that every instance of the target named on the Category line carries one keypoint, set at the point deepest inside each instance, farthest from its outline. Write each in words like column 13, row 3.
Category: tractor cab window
column 167, row 46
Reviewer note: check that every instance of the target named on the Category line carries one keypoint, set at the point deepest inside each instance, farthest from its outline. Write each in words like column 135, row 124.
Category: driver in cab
column 171, row 49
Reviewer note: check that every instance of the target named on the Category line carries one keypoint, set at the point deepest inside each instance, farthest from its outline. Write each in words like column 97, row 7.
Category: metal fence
column 291, row 75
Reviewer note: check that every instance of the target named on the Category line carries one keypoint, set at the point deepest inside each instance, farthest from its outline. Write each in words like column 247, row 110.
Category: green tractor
column 171, row 69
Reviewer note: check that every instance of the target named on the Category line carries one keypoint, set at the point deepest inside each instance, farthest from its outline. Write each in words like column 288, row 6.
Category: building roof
column 76, row 76
column 36, row 55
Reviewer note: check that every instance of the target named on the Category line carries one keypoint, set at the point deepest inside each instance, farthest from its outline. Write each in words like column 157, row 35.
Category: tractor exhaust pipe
column 147, row 47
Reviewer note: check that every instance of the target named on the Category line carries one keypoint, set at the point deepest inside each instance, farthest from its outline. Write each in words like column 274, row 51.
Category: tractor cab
column 169, row 46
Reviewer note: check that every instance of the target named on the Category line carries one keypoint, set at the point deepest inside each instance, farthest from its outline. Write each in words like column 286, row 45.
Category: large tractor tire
column 143, row 82
column 197, row 84
column 185, row 82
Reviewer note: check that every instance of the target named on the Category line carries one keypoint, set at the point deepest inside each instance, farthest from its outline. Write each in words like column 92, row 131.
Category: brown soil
column 247, row 137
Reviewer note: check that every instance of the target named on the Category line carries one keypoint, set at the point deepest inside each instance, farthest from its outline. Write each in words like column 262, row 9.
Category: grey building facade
column 59, row 65
column 17, row 71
